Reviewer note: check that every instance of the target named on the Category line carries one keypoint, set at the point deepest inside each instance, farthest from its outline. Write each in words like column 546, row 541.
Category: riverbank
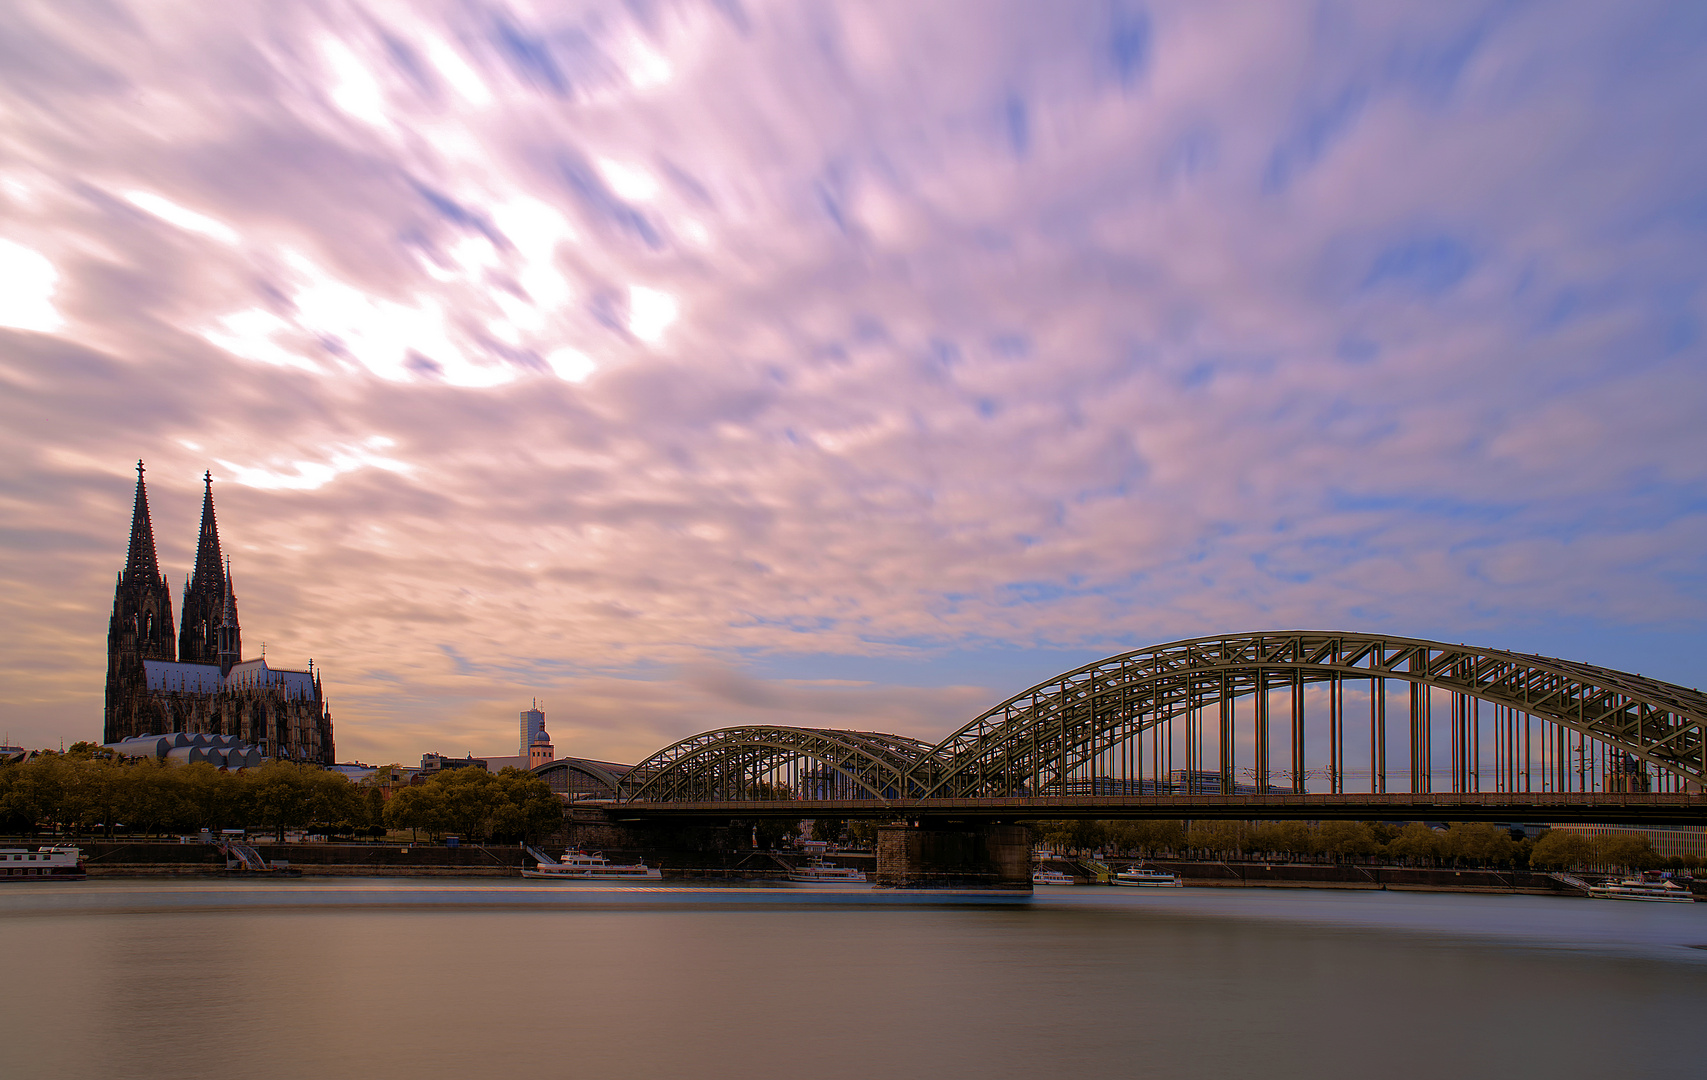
column 1312, row 876
column 157, row 859
column 165, row 859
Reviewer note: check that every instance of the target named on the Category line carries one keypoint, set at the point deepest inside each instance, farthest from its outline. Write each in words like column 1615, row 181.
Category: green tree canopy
column 1416, row 842
column 513, row 805
column 1562, row 850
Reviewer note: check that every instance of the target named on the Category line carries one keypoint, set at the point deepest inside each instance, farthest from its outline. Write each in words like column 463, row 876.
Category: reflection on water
column 404, row 978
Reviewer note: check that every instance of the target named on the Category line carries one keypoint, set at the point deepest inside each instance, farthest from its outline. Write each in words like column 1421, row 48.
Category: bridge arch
column 767, row 762
column 1052, row 736
column 1083, row 731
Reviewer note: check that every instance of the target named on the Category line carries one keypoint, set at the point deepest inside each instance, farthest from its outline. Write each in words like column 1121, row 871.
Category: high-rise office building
column 533, row 722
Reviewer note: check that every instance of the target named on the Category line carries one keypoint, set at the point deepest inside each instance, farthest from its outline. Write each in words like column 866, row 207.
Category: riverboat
column 1051, row 877
column 819, row 872
column 1147, row 879
column 60, row 862
column 581, row 866
column 1649, row 887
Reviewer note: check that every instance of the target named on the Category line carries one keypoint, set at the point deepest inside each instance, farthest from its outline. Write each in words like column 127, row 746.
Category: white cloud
column 571, row 365
column 457, row 72
column 28, row 280
column 183, row 217
column 353, row 88
column 630, row 182
column 309, row 474
column 650, row 312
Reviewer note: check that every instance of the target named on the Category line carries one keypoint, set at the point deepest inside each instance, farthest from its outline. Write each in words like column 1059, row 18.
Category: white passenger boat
column 1147, row 879
column 58, row 863
column 580, row 866
column 1649, row 887
column 819, row 872
column 1050, row 877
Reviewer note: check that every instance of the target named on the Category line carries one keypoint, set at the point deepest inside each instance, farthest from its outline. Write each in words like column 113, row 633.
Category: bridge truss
column 763, row 763
column 1259, row 715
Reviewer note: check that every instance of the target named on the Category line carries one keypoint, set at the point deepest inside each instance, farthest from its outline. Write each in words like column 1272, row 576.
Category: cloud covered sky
column 696, row 363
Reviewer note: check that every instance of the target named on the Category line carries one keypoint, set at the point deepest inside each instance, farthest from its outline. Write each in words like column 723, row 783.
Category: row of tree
column 1463, row 844
column 473, row 803
column 87, row 791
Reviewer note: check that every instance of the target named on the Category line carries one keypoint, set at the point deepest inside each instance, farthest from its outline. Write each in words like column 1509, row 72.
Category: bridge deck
column 1598, row 807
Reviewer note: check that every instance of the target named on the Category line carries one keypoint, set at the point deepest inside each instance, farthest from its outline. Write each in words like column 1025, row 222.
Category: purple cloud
column 605, row 352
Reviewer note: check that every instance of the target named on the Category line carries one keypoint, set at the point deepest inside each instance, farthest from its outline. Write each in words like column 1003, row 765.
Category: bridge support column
column 953, row 855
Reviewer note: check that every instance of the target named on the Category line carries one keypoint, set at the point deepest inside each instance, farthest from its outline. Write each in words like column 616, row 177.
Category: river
column 381, row 978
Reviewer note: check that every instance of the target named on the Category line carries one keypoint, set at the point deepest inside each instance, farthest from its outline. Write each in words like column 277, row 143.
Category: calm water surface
column 421, row 979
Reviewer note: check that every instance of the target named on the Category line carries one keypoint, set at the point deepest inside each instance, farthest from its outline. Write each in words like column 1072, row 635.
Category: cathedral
column 198, row 681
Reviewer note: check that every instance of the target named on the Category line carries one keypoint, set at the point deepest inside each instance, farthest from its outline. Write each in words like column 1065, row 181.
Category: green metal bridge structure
column 1272, row 725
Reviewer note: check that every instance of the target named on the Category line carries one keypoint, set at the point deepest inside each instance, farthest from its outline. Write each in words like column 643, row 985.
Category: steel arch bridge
column 743, row 764
column 1112, row 732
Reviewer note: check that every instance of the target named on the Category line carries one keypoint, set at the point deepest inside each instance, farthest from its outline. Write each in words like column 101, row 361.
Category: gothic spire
column 230, row 636
column 205, row 591
column 209, row 561
column 142, row 565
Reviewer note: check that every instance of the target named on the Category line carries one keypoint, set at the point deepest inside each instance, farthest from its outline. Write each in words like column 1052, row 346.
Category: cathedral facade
column 196, row 680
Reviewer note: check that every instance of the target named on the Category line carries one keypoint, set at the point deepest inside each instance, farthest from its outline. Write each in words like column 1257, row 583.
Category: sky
column 691, row 364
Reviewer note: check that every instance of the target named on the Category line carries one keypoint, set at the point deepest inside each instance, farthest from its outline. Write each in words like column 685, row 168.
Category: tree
column 1055, row 836
column 279, row 796
column 416, row 808
column 29, row 794
column 209, row 797
column 372, row 802
column 1415, row 842
column 513, row 805
column 830, row 829
column 538, row 811
column 1628, row 851
column 1223, row 839
column 1343, row 838
column 332, row 800
column 1478, row 844
column 1166, row 835
column 1287, row 838
column 1561, row 850
column 94, row 791
column 146, row 796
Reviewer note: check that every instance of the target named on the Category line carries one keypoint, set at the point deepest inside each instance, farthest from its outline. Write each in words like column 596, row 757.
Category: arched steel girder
column 1056, row 726
column 874, row 763
column 591, row 769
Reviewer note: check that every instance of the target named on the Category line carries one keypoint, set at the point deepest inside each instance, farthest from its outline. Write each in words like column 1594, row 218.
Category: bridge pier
column 953, row 855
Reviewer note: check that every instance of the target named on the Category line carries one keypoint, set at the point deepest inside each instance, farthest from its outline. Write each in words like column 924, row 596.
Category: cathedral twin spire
column 208, row 595
column 146, row 696
column 210, row 633
column 141, row 624
column 141, row 566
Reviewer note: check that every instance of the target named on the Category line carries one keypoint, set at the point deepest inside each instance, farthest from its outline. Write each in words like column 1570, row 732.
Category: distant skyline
column 685, row 364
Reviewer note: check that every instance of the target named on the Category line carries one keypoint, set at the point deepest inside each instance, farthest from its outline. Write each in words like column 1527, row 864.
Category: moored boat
column 580, row 866
column 1649, row 887
column 1147, row 879
column 1051, row 877
column 819, row 872
column 61, row 862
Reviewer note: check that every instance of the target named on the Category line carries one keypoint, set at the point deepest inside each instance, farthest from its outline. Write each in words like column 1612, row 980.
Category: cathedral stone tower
column 210, row 689
column 141, row 625
column 207, row 593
